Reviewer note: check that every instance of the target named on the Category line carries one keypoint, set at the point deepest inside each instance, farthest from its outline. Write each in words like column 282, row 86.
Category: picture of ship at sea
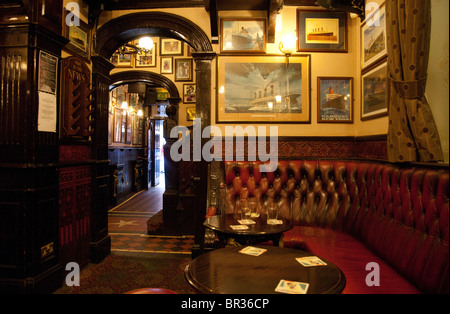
column 335, row 99
column 243, row 35
column 374, row 39
column 263, row 88
column 322, row 31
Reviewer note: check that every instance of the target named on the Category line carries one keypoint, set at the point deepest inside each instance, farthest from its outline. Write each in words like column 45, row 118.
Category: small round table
column 258, row 232
column 226, row 271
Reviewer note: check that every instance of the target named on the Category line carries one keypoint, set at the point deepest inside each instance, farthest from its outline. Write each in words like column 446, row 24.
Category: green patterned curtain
column 413, row 135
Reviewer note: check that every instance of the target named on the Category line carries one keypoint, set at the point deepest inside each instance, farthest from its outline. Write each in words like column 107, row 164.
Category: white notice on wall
column 47, row 112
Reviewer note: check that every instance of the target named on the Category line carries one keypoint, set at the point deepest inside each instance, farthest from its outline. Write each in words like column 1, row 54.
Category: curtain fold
column 413, row 134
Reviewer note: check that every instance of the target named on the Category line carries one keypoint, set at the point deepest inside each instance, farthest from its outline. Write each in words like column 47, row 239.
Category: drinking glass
column 245, row 212
column 272, row 214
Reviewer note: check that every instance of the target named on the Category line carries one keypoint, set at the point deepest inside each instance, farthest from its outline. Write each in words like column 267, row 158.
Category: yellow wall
column 336, row 64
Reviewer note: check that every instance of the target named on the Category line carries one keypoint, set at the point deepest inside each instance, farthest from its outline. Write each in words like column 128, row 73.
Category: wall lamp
column 287, row 45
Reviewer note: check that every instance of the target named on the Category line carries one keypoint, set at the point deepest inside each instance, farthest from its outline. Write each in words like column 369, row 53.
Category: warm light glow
column 125, row 105
column 140, row 113
column 278, row 99
column 287, row 44
column 222, row 89
column 270, row 105
column 146, row 43
column 278, row 26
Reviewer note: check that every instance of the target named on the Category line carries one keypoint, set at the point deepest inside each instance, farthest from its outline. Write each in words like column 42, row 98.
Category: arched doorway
column 126, row 28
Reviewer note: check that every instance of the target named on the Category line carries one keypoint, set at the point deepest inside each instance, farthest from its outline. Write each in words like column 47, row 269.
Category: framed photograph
column 145, row 59
column 258, row 89
column 190, row 113
column 375, row 92
column 122, row 60
column 79, row 39
column 335, row 100
column 117, row 125
column 322, row 31
column 171, row 47
column 373, row 38
column 183, row 70
column 189, row 93
column 166, row 65
column 243, row 35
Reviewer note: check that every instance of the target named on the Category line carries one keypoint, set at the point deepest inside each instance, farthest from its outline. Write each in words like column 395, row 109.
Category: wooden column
column 100, row 245
column 203, row 111
column 29, row 258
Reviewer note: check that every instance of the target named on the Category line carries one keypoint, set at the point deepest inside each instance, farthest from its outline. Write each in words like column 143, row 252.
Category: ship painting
column 335, row 99
column 263, row 88
column 322, row 31
column 243, row 36
column 319, row 34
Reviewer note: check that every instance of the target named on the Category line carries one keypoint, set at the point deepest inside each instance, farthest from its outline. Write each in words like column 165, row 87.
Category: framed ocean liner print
column 263, row 89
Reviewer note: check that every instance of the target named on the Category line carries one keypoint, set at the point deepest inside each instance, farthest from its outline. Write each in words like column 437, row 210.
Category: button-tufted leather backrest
column 402, row 214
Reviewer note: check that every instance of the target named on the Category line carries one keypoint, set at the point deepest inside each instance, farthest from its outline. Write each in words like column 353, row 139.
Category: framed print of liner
column 373, row 38
column 263, row 89
column 335, row 100
column 321, row 31
column 243, row 35
column 375, row 91
column 79, row 39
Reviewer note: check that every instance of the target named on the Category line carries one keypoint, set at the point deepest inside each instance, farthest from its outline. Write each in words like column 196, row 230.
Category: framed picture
column 321, row 31
column 190, row 113
column 375, row 92
column 117, row 125
column 257, row 89
column 183, row 70
column 110, row 126
column 135, row 137
column 166, row 65
column 171, row 47
column 189, row 93
column 243, row 35
column 122, row 60
column 335, row 100
column 79, row 39
column 373, row 38
column 146, row 59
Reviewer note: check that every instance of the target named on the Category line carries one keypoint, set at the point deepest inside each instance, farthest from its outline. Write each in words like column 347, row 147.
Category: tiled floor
column 127, row 224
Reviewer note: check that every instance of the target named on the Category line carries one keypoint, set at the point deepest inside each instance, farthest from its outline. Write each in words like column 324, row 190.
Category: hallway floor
column 127, row 225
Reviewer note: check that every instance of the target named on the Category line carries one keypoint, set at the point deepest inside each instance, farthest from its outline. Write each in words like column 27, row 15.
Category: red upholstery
column 399, row 216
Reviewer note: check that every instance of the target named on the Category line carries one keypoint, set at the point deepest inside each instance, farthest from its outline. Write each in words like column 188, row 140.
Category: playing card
column 239, row 227
column 254, row 251
column 310, row 261
column 246, row 222
column 292, row 287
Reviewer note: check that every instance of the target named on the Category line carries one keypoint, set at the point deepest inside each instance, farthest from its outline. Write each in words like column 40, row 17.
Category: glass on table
column 272, row 214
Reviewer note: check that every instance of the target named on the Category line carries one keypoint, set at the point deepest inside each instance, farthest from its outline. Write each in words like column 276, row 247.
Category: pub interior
column 302, row 146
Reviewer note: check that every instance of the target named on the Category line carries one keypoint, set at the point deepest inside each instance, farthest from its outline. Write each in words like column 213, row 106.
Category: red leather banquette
column 357, row 213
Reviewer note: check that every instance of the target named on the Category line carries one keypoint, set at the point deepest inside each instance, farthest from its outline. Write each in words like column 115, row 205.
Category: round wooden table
column 256, row 233
column 226, row 271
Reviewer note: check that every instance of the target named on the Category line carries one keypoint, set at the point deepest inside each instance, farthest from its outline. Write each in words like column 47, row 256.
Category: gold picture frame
column 262, row 89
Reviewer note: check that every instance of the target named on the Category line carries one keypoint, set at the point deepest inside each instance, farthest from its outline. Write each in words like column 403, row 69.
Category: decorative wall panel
column 74, row 211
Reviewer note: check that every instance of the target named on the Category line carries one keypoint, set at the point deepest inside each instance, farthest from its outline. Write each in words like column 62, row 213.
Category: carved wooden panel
column 74, row 214
column 77, row 106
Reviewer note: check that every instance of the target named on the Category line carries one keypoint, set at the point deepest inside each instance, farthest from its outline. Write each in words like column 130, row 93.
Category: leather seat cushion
column 351, row 256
